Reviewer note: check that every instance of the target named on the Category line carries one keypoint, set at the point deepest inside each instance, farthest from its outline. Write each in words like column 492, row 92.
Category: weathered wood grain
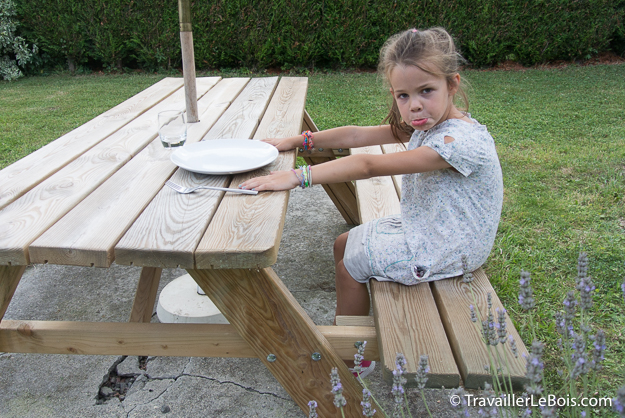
column 23, row 175
column 169, row 229
column 87, row 234
column 153, row 339
column 246, row 229
column 268, row 317
column 147, row 289
column 376, row 196
column 28, row 217
column 9, row 279
column 453, row 298
column 408, row 322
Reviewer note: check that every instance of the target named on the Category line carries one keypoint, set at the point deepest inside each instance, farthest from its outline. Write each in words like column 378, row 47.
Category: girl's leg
column 352, row 297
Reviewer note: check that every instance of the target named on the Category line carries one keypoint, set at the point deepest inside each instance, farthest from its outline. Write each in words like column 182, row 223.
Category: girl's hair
column 433, row 51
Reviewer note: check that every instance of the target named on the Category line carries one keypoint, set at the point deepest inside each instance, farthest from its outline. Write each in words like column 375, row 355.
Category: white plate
column 224, row 156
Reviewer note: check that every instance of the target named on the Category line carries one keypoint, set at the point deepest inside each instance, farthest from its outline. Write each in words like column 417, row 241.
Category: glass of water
column 172, row 128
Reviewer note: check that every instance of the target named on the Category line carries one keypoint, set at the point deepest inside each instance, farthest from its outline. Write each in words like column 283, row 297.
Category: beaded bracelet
column 306, row 180
column 301, row 180
column 308, row 140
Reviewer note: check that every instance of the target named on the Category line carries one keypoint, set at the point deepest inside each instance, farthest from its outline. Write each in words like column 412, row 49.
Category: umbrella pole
column 188, row 59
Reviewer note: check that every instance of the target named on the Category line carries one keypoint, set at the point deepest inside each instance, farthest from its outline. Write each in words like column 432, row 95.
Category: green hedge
column 306, row 33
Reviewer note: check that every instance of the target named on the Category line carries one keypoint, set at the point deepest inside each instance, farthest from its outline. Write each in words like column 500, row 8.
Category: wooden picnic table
column 96, row 196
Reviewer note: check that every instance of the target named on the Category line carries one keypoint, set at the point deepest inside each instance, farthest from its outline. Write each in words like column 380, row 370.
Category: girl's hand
column 276, row 180
column 283, row 144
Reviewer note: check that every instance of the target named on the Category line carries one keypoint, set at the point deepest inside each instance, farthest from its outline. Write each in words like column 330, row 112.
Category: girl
column 452, row 188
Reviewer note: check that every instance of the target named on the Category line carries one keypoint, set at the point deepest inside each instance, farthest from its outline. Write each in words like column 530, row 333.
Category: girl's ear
column 454, row 84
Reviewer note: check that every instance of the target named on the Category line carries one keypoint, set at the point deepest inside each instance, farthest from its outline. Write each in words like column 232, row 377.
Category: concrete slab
column 33, row 385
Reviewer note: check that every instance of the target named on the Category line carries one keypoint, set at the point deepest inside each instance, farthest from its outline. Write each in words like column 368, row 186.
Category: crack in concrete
column 143, row 365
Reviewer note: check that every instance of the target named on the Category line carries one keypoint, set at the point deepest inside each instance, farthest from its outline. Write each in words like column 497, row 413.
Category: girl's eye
column 426, row 91
column 402, row 96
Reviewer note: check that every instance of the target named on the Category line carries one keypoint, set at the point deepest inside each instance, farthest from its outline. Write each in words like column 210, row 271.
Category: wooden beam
column 155, row 339
column 282, row 335
column 9, row 278
column 408, row 322
column 343, row 195
column 147, row 289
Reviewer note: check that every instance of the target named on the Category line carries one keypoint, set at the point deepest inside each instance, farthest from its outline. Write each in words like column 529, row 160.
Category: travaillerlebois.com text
column 512, row 400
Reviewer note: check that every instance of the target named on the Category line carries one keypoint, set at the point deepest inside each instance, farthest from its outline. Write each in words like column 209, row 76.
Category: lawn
column 560, row 136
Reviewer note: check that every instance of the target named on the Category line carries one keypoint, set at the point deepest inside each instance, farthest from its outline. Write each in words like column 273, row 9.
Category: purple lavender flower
column 459, row 394
column 367, row 410
column 534, row 369
column 586, row 287
column 337, row 389
column 313, row 410
column 526, row 294
column 618, row 403
column 513, row 347
column 561, row 324
column 548, row 411
column 400, row 361
column 467, row 276
column 359, row 357
column 491, row 409
column 489, row 300
column 421, row 375
column 623, row 287
column 501, row 329
column 598, row 350
column 473, row 316
column 398, row 384
column 579, row 357
column 569, row 308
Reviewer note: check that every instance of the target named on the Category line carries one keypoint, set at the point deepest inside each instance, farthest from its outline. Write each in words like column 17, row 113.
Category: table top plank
column 23, row 175
column 87, row 234
column 28, row 217
column 169, row 229
column 246, row 230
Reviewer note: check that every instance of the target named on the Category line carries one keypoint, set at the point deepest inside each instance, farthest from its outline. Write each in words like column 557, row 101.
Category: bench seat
column 429, row 318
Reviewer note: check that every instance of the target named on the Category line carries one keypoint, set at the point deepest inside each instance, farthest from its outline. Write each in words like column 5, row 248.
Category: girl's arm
column 343, row 137
column 354, row 167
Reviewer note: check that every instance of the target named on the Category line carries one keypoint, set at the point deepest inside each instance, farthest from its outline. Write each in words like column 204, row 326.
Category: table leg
column 268, row 317
column 343, row 195
column 9, row 278
column 145, row 296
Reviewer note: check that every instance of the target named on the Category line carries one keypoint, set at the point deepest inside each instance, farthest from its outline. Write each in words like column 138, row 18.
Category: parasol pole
column 188, row 59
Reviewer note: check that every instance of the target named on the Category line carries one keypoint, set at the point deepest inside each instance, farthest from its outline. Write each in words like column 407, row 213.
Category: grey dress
column 445, row 214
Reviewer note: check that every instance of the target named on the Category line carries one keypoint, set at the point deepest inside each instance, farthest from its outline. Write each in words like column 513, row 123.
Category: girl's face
column 424, row 100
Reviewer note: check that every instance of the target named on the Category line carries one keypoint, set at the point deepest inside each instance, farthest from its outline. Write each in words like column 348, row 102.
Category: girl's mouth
column 419, row 122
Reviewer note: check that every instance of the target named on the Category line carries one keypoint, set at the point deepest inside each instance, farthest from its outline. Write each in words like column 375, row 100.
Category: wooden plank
column 343, row 195
column 23, row 175
column 9, row 279
column 169, row 229
column 453, row 298
column 390, row 148
column 408, row 322
column 147, row 289
column 349, row 320
column 154, row 339
column 246, row 229
column 376, row 196
column 268, row 317
column 27, row 218
column 87, row 235
column 406, row 317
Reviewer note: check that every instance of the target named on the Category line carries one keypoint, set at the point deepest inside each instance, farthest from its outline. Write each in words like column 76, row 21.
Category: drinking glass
column 172, row 128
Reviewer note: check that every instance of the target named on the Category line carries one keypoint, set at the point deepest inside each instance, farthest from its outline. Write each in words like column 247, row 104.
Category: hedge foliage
column 316, row 33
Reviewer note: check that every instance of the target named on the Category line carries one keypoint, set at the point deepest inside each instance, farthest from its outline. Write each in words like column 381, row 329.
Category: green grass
column 560, row 138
